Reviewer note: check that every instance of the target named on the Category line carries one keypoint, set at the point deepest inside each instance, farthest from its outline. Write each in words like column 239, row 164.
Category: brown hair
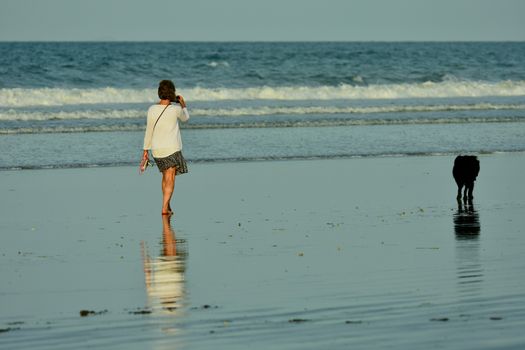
column 167, row 90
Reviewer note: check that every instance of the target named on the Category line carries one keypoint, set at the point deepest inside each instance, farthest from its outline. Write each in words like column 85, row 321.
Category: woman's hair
column 167, row 90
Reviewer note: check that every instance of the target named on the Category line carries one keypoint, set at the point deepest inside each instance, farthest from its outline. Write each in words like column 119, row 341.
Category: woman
column 163, row 138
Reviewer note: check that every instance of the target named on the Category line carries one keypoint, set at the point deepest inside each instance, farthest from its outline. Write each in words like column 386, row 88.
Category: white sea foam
column 13, row 114
column 18, row 97
column 323, row 110
column 262, row 124
column 358, row 79
column 70, row 129
column 218, row 64
column 388, row 91
column 21, row 115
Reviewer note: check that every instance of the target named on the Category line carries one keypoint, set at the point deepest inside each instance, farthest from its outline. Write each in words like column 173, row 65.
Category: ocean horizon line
column 32, row 41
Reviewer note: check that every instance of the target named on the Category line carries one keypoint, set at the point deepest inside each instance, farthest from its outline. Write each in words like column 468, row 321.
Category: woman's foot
column 168, row 211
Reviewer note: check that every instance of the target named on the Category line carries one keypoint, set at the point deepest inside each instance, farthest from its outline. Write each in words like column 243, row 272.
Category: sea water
column 84, row 104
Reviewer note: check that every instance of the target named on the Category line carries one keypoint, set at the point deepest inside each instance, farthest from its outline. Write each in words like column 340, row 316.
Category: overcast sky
column 269, row 20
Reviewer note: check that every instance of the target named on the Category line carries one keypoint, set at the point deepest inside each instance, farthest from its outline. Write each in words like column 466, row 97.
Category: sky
column 269, row 20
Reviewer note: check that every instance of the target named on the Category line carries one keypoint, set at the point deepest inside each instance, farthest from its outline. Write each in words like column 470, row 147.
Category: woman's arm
column 147, row 136
column 181, row 101
column 185, row 115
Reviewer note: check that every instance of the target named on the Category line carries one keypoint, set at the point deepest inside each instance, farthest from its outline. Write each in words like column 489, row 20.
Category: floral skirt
column 173, row 160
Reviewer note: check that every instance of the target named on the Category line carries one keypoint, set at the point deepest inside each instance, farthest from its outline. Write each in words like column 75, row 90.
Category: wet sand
column 318, row 254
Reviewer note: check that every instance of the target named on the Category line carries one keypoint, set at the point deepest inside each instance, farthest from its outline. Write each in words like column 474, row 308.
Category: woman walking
column 163, row 138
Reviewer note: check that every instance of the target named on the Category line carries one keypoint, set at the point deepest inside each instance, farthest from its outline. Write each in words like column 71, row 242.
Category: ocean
column 66, row 105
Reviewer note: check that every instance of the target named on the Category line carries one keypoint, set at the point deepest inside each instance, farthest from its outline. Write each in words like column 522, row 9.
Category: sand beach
column 364, row 253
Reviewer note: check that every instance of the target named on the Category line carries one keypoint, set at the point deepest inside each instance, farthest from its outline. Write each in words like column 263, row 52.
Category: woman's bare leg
column 168, row 184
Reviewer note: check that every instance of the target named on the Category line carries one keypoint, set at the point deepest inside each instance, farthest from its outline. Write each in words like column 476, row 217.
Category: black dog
column 465, row 171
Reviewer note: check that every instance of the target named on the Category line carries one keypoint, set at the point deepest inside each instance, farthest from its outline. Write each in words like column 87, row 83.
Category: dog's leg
column 460, row 186
column 470, row 190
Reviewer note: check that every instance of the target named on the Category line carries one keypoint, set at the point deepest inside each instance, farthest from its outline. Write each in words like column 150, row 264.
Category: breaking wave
column 21, row 115
column 20, row 97
column 263, row 124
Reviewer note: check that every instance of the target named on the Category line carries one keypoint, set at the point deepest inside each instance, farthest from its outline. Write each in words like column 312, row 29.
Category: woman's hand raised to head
column 181, row 101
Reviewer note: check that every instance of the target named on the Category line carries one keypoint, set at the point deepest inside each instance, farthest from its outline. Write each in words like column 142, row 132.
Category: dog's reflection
column 466, row 220
column 467, row 230
column 164, row 275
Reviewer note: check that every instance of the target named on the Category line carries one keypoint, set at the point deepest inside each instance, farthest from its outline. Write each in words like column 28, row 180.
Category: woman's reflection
column 164, row 275
column 467, row 229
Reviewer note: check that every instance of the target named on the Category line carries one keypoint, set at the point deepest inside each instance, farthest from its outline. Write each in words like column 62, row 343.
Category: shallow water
column 254, row 259
column 219, row 145
column 69, row 105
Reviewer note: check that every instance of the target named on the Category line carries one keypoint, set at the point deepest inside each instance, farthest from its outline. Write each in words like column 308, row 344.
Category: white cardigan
column 165, row 139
